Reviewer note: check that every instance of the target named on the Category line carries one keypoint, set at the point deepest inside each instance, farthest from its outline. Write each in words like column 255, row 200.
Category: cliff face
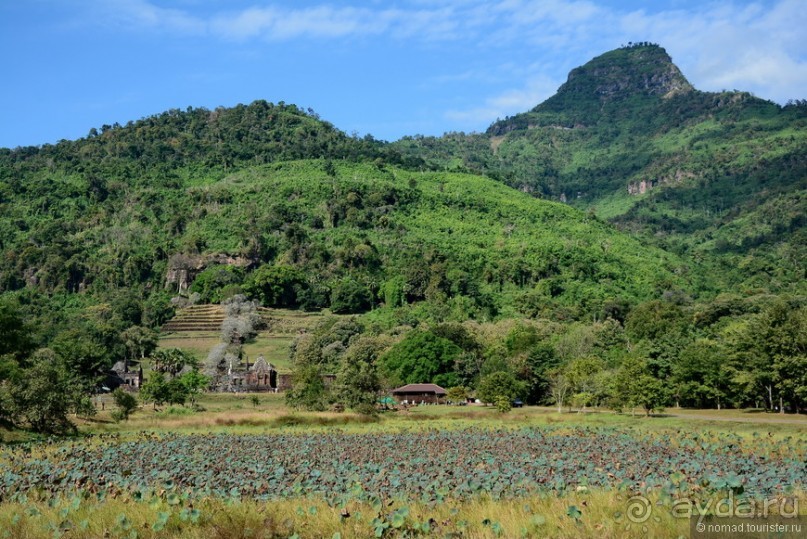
column 630, row 81
column 641, row 69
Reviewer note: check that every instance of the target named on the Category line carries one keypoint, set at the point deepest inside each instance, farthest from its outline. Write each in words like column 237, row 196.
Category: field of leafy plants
column 423, row 466
column 474, row 482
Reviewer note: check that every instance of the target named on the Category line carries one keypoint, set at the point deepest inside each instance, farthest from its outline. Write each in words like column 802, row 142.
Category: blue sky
column 389, row 68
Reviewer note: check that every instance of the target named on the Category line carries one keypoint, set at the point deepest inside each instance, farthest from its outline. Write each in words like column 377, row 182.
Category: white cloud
column 758, row 46
column 753, row 47
column 278, row 24
column 141, row 14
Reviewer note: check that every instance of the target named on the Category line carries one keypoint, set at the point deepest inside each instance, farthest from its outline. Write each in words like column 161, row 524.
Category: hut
column 419, row 394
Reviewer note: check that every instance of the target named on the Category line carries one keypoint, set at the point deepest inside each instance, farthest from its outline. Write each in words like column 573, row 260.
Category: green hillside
column 694, row 172
column 339, row 235
column 632, row 241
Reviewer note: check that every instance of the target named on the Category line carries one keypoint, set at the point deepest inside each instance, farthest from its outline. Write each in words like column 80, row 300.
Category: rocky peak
column 642, row 69
column 630, row 78
column 638, row 68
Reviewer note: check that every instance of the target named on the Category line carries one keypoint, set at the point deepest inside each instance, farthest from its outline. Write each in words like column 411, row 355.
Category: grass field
column 225, row 411
column 273, row 347
column 168, row 511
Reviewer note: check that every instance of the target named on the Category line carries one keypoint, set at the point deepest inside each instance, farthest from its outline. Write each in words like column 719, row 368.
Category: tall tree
column 422, row 357
column 140, row 342
column 499, row 384
column 634, row 385
column 357, row 382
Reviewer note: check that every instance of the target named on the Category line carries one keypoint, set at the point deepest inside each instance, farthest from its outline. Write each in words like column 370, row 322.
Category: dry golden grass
column 601, row 514
column 237, row 411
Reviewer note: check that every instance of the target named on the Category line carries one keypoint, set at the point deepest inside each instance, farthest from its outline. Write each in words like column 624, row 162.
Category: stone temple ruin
column 121, row 376
column 260, row 376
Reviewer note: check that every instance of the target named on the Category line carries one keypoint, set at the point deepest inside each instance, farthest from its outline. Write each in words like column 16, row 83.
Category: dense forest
column 717, row 177
column 630, row 242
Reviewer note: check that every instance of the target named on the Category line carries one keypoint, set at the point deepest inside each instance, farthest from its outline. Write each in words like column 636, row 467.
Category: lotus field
column 384, row 472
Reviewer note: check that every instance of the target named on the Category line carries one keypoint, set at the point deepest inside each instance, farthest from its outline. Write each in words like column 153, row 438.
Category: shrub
column 126, row 403
column 503, row 404
column 366, row 409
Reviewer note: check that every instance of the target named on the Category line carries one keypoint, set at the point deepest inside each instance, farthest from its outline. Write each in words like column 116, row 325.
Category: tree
column 15, row 335
column 45, row 394
column 171, row 361
column 81, row 353
column 421, row 357
column 140, row 342
column 540, row 360
column 393, row 291
column 635, row 386
column 215, row 361
column 176, row 392
column 308, row 390
column 649, row 393
column 469, row 363
column 160, row 391
column 499, row 384
column 780, row 335
column 193, row 382
column 153, row 389
column 275, row 286
column 701, row 375
column 583, row 376
column 126, row 403
column 559, row 387
column 242, row 321
column 213, row 282
column 457, row 394
column 357, row 382
column 652, row 319
column 349, row 296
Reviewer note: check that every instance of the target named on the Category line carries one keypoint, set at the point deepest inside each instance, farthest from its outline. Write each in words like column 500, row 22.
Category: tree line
column 734, row 352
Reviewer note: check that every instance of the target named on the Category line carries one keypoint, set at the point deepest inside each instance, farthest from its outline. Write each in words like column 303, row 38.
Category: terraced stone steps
column 196, row 318
column 207, row 318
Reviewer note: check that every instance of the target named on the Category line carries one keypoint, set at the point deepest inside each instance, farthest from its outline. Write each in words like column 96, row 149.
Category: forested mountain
column 152, row 205
column 717, row 177
column 696, row 283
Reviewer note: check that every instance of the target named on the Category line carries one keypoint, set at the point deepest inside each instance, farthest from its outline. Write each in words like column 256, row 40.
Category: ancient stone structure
column 260, row 376
column 126, row 379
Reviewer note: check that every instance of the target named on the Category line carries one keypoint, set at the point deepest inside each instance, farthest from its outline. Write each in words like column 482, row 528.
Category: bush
column 173, row 411
column 457, row 394
column 503, row 404
column 366, row 409
column 126, row 403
